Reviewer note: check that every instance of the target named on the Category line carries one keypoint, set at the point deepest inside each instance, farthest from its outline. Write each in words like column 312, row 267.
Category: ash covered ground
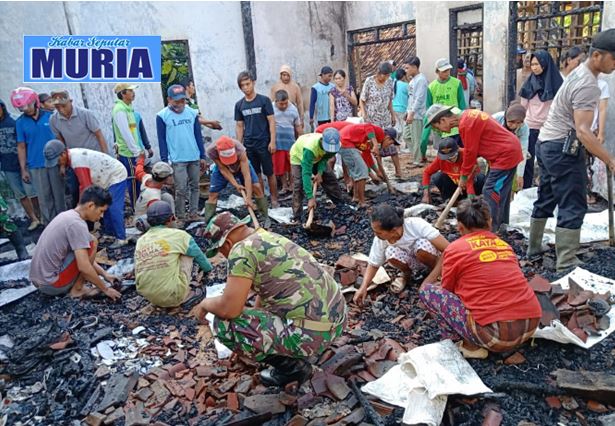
column 179, row 379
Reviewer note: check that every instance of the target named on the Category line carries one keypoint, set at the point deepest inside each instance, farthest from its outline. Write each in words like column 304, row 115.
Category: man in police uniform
column 562, row 169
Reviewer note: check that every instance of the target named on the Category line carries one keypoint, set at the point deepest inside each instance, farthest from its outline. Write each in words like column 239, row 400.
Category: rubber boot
column 209, row 211
column 567, row 242
column 263, row 207
column 285, row 370
column 20, row 246
column 537, row 230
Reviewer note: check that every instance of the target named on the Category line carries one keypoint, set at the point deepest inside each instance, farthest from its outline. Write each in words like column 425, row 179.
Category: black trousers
column 528, row 173
column 447, row 187
column 563, row 183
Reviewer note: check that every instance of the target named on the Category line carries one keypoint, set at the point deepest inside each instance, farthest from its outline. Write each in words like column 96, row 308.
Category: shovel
column 448, row 207
column 252, row 215
column 316, row 229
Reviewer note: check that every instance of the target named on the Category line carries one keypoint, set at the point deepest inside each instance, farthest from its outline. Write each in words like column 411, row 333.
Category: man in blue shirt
column 181, row 143
column 33, row 133
column 319, row 97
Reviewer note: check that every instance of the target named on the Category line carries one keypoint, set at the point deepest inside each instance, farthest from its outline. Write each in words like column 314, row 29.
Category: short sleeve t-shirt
column 604, row 94
column 358, row 135
column 157, row 263
column 66, row 233
column 579, row 92
column 214, row 155
column 484, row 272
column 254, row 116
column 35, row 134
column 290, row 282
column 285, row 122
column 9, row 161
column 102, row 169
column 415, row 229
column 78, row 131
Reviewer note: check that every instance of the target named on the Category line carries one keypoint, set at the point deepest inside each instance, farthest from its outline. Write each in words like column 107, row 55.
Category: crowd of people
column 61, row 169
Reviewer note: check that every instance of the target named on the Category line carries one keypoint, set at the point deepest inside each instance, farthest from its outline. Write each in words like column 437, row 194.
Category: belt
column 315, row 325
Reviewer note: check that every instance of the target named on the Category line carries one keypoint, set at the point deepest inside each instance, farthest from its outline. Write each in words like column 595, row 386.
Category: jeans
column 528, row 173
column 563, row 183
column 186, row 176
column 113, row 220
column 134, row 188
column 49, row 185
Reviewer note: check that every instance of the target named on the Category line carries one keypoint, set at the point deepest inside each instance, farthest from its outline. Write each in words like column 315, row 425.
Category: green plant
column 175, row 64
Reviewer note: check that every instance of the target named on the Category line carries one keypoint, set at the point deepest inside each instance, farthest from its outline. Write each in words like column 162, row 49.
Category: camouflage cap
column 219, row 227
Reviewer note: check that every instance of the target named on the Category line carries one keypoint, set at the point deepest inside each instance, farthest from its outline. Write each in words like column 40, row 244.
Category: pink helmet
column 23, row 96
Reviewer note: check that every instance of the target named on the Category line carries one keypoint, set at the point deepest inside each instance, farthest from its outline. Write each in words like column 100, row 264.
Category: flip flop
column 195, row 296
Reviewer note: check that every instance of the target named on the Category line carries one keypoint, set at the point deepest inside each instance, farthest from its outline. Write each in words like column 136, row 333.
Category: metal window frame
column 454, row 27
column 351, row 44
column 513, row 35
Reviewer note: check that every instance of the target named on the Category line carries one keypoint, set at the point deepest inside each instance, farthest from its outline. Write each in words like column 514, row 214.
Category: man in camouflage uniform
column 9, row 230
column 299, row 308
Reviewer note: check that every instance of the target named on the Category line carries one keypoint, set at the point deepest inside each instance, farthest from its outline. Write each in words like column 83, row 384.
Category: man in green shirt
column 447, row 91
column 299, row 308
column 164, row 257
column 308, row 163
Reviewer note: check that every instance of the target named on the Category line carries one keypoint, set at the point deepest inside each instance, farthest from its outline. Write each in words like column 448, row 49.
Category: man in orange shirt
column 482, row 136
column 445, row 171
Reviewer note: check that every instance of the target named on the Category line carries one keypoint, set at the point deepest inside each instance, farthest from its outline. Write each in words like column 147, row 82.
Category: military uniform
column 302, row 308
column 9, row 230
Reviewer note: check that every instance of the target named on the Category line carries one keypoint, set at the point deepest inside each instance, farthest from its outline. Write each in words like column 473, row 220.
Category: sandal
column 480, row 353
column 398, row 285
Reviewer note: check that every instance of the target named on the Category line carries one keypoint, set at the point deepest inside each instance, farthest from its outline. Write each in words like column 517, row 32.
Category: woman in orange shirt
column 484, row 298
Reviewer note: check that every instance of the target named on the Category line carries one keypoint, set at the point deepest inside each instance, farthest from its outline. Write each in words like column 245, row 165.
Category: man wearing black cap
column 164, row 257
column 445, row 172
column 560, row 152
column 181, row 144
column 319, row 97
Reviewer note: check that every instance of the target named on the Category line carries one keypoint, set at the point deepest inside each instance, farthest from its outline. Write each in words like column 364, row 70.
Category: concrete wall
column 432, row 32
column 304, row 35
column 495, row 55
column 362, row 14
column 608, row 15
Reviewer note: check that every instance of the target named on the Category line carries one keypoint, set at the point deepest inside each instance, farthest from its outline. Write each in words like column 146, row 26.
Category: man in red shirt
column 368, row 139
column 484, row 298
column 445, row 172
column 482, row 136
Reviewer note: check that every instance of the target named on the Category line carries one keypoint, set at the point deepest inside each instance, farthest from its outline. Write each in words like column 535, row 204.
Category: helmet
column 24, row 96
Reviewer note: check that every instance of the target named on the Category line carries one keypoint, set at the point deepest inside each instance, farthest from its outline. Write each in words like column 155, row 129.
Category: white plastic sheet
column 223, row 351
column 588, row 281
column 122, row 267
column 595, row 225
column 281, row 214
column 423, row 379
column 418, row 209
column 232, row 202
column 15, row 271
column 406, row 187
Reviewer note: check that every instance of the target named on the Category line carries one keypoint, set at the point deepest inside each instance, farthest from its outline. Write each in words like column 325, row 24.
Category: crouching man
column 299, row 307
column 64, row 256
column 152, row 185
column 164, row 257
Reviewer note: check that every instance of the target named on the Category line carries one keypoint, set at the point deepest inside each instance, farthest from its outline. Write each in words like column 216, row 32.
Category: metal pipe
column 609, row 183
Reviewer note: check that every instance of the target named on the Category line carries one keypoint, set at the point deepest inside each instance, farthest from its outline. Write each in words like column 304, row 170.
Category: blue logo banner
column 91, row 59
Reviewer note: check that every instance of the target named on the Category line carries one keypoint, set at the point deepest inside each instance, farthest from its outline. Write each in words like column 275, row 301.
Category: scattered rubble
column 127, row 363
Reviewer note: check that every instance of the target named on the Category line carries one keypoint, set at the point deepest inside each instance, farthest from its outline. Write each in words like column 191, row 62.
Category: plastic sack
column 559, row 332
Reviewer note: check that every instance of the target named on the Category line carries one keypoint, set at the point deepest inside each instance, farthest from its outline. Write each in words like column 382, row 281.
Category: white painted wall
column 433, row 33
column 608, row 15
column 495, row 54
column 362, row 14
column 304, row 35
